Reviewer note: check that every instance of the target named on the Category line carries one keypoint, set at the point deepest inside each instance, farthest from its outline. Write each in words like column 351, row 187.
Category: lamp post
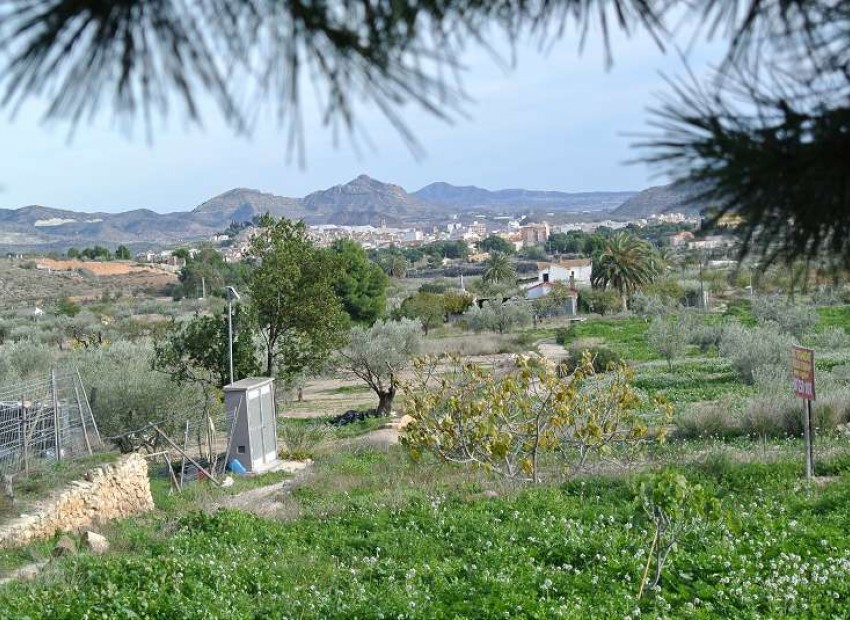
column 231, row 295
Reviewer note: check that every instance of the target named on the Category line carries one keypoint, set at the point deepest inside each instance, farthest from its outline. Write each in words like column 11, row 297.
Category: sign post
column 803, row 378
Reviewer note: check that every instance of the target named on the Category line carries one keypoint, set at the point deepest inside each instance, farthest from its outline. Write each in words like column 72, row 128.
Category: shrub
column 602, row 358
column 668, row 290
column 709, row 420
column 827, row 296
column 563, row 335
column 29, row 359
column 499, row 317
column 706, row 336
column 599, row 302
column 832, row 338
column 748, row 349
column 793, row 319
column 125, row 393
column 506, row 422
column 669, row 336
column 302, row 439
column 650, row 306
column 475, row 344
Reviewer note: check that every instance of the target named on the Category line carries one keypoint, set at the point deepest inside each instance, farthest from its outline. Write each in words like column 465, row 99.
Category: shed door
column 255, row 428
column 269, row 425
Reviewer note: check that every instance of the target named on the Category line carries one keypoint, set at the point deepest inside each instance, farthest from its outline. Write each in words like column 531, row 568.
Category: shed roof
column 247, row 384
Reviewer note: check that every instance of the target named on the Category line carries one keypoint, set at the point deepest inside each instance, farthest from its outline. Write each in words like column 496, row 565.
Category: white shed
column 253, row 422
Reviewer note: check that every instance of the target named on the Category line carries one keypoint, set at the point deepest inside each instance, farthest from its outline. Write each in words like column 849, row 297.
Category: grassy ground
column 627, row 337
column 834, row 316
column 50, row 476
column 372, row 534
column 377, row 535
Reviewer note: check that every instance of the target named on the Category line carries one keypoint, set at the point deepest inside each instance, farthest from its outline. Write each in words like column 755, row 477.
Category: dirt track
column 115, row 268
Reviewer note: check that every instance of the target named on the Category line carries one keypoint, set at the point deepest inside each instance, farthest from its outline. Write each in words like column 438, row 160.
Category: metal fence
column 186, row 452
column 45, row 420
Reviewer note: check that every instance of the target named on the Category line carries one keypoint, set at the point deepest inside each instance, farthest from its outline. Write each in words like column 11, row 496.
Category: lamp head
column 232, row 294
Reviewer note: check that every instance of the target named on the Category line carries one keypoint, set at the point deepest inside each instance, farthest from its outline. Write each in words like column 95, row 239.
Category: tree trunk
column 385, row 401
column 269, row 361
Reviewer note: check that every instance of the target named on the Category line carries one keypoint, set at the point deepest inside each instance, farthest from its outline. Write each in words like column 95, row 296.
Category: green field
column 399, row 540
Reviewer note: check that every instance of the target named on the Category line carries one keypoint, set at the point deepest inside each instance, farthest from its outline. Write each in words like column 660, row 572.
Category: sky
column 558, row 120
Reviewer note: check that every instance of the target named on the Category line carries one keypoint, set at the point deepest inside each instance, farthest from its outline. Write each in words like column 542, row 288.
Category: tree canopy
column 498, row 268
column 377, row 355
column 197, row 351
column 360, row 284
column 298, row 314
column 496, row 244
column 625, row 264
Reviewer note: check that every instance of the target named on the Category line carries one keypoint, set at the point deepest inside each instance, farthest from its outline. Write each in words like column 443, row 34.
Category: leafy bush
column 668, row 290
column 706, row 336
column 832, row 339
column 650, row 306
column 827, row 296
column 599, row 302
column 793, row 319
column 669, row 336
column 710, row 420
column 499, row 317
column 602, row 358
column 506, row 423
column 302, row 439
column 476, row 344
column 29, row 359
column 563, row 335
column 748, row 349
column 125, row 393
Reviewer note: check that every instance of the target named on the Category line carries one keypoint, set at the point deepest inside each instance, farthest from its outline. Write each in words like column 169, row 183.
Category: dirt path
column 265, row 501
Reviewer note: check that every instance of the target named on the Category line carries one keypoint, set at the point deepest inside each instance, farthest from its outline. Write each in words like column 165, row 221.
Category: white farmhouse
column 576, row 271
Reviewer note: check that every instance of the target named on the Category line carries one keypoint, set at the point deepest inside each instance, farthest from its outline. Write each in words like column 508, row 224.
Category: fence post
column 82, row 416
column 88, row 406
column 55, row 399
column 24, row 442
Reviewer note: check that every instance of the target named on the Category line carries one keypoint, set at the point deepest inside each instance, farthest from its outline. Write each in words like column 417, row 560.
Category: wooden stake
column 56, row 432
column 181, row 451
column 807, row 434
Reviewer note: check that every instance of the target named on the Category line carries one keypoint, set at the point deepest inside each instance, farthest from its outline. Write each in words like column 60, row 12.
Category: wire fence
column 44, row 421
column 191, row 451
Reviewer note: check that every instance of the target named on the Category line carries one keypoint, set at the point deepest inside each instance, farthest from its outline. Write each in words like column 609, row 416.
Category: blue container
column 236, row 467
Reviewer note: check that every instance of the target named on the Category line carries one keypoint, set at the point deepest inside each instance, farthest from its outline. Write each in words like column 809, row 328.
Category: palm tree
column 626, row 263
column 398, row 266
column 497, row 269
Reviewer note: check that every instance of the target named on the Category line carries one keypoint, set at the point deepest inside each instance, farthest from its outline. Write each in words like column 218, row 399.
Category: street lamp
column 231, row 295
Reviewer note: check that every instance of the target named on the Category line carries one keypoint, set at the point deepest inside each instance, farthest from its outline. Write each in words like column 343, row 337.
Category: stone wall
column 108, row 492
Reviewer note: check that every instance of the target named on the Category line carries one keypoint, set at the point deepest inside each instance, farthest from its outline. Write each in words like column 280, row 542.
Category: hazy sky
column 557, row 121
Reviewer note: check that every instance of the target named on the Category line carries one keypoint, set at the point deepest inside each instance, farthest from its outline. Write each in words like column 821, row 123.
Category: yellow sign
column 803, row 372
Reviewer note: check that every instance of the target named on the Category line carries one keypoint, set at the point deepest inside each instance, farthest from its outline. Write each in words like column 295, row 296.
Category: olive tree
column 670, row 335
column 499, row 317
column 377, row 355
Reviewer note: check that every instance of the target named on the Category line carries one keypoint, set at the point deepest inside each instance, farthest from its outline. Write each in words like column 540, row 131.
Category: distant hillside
column 672, row 198
column 242, row 205
column 361, row 201
column 470, row 197
column 365, row 200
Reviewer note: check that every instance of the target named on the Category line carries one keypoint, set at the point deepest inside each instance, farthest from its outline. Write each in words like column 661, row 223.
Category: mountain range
column 675, row 197
column 361, row 201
